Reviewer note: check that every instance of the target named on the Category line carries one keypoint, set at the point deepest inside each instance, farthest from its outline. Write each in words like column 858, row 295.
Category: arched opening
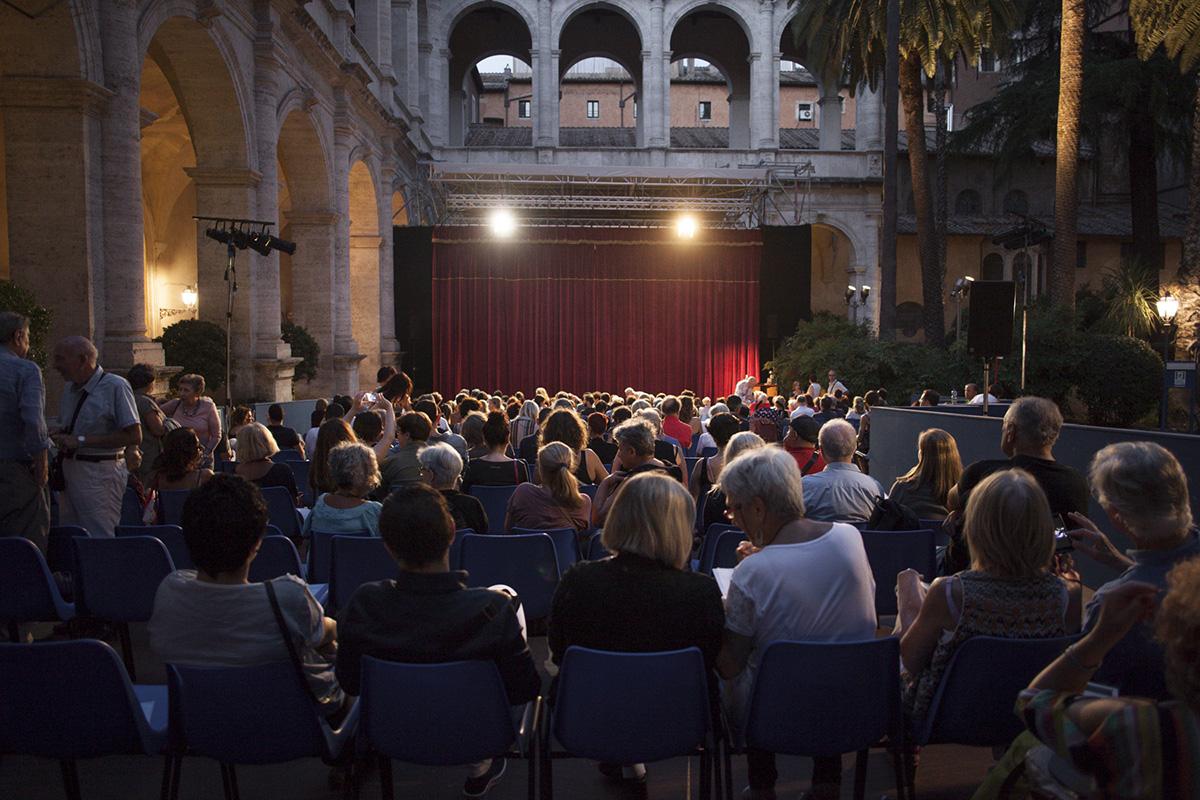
column 365, row 250
column 832, row 257
column 992, row 268
column 487, row 30
column 505, row 100
column 808, row 102
column 711, row 48
column 600, row 79
column 399, row 209
column 968, row 202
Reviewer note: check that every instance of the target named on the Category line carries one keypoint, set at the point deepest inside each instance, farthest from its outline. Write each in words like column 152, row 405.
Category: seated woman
column 565, row 426
column 256, row 445
column 1132, row 748
column 441, row 466
column 715, row 502
column 557, row 502
column 178, row 465
column 471, row 429
column 721, row 427
column 797, row 579
column 213, row 615
column 495, row 468
column 428, row 615
column 643, row 599
column 635, row 451
column 925, row 487
column 355, row 474
column 597, row 427
column 333, row 432
column 1009, row 590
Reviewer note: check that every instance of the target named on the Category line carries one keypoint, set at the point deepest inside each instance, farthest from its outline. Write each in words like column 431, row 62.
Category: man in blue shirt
column 24, row 499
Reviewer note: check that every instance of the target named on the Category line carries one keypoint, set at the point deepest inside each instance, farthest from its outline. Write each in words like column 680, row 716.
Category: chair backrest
column 244, row 715
column 495, row 503
column 118, row 578
column 848, row 699
column 355, row 560
column 276, row 556
column 70, row 700
column 320, row 550
column 589, row 489
column 691, row 462
column 566, row 544
column 60, row 550
column 456, row 547
column 974, row 703
column 281, row 510
column 435, row 714
column 527, row 563
column 131, row 508
column 709, row 546
column 300, row 474
column 226, row 467
column 628, row 708
column 890, row 553
column 288, row 455
column 596, row 549
column 170, row 535
column 724, row 553
column 27, row 590
column 940, row 537
column 709, row 451
column 170, row 506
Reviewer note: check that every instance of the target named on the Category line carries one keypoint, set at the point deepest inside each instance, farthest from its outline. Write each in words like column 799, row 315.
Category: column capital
column 224, row 176
column 70, row 93
column 365, row 241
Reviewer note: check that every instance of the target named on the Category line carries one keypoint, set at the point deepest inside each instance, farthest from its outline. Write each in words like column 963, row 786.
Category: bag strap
column 83, row 396
column 293, row 656
column 811, row 460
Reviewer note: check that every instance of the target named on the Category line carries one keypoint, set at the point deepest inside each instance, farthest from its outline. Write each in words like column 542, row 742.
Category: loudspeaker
column 784, row 284
column 990, row 325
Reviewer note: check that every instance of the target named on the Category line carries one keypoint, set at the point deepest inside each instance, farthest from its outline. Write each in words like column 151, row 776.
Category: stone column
column 830, row 134
column 544, row 62
column 366, row 298
column 656, row 83
column 424, row 65
column 389, row 348
column 123, row 323
column 345, row 354
column 741, row 122
column 866, row 264
column 764, row 82
column 437, row 115
column 314, row 231
column 868, row 119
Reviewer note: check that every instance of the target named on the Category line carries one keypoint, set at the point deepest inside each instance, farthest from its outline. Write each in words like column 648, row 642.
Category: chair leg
column 704, row 779
column 385, row 778
column 176, row 771
column 860, row 775
column 70, row 776
column 127, row 650
column 169, row 767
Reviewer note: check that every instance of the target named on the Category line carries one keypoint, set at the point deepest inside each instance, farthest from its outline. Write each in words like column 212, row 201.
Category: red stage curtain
column 579, row 309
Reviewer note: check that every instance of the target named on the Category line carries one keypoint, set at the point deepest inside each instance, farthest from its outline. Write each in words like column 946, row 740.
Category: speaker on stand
column 992, row 310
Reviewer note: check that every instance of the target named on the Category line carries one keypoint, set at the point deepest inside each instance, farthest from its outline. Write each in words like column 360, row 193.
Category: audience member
column 827, row 412
column 801, row 444
column 858, row 408
column 804, row 407
column 565, row 426
column 526, row 422
column 471, row 429
column 714, row 502
column 814, row 390
column 1143, row 491
column 355, row 474
column 689, row 416
column 428, row 615
column 767, row 421
column 434, row 412
column 798, row 579
column 666, row 451
column 255, row 448
column 635, row 455
column 605, row 450
column 495, row 468
column 178, row 466
column 672, row 425
column 240, row 417
column 721, row 427
column 24, row 443
column 925, row 487
column 333, row 432
column 412, row 433
column 285, row 438
column 557, row 502
column 141, row 382
column 213, row 615
column 98, row 421
column 705, row 445
column 315, row 419
column 193, row 410
column 442, row 468
column 840, row 492
column 973, row 396
column 382, row 376
column 870, row 400
column 398, row 391
column 527, row 448
column 928, row 399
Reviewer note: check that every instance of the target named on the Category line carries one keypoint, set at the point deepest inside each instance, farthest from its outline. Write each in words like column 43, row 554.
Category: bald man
column 97, row 420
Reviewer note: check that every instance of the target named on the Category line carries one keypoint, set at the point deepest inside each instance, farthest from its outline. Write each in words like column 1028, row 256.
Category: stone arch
column 366, row 248
column 458, row 11
column 719, row 35
column 689, row 8
column 834, row 255
column 400, row 210
column 992, row 268
column 480, row 30
column 607, row 31
column 564, row 16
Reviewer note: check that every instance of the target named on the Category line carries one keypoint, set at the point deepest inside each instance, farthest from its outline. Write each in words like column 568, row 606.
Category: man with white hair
column 24, row 501
column 97, row 419
column 745, row 389
column 840, row 492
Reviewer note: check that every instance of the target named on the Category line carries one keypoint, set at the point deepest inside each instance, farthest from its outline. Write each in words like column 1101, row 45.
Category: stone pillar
column 124, row 272
column 830, row 135
column 656, row 82
column 437, row 114
column 314, row 231
column 764, row 82
column 425, row 63
column 366, row 297
column 866, row 264
column 345, row 353
column 740, row 111
column 868, row 119
column 544, row 62
column 389, row 349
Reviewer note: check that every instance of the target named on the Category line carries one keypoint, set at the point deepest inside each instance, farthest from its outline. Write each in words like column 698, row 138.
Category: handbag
column 324, row 706
column 57, row 478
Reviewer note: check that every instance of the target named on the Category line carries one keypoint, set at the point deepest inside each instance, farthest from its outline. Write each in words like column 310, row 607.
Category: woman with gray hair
column 714, row 499
column 355, row 473
column 441, row 467
column 797, row 580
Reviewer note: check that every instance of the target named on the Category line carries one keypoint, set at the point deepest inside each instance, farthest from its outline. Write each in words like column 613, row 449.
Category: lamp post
column 1167, row 307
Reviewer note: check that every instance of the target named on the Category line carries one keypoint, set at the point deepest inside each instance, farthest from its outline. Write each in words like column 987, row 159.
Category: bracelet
column 1069, row 653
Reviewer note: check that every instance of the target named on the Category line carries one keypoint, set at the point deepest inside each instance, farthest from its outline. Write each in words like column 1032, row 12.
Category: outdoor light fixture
column 686, row 227
column 962, row 287
column 191, row 298
column 864, row 292
column 850, row 292
column 502, row 222
column 263, row 243
column 1168, row 307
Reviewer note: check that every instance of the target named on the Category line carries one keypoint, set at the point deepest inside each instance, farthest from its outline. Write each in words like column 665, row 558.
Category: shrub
column 1119, row 378
column 303, row 346
column 199, row 347
column 21, row 300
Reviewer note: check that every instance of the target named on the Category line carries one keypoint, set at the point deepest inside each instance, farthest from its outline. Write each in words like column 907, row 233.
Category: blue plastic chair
column 320, row 549
column 281, row 511
column 355, row 560
column 709, row 451
column 169, row 535
column 691, row 462
column 456, row 547
column 495, row 503
column 300, row 471
column 596, row 549
column 439, row 715
column 711, row 536
column 940, row 537
column 287, row 455
column 891, row 552
column 589, row 489
column 131, row 508
column 724, row 553
column 117, row 580
column 73, row 700
column 60, row 547
column 630, row 708
column 566, row 544
column 28, row 592
column 527, row 563
column 170, row 506
column 229, row 467
column 249, row 715
column 276, row 556
column 847, row 701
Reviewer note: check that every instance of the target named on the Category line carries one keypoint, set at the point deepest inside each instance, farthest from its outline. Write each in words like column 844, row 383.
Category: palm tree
column 1066, row 155
column 853, row 34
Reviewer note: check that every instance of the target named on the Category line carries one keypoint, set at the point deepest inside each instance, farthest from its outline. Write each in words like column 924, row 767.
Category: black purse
column 57, row 480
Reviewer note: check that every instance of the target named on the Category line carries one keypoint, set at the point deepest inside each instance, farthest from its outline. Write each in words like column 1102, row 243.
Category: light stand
column 962, row 287
column 1167, row 307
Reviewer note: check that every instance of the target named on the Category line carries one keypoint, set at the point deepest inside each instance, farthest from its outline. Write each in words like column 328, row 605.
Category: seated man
column 286, row 438
column 214, row 616
column 635, row 454
column 429, row 616
column 402, row 466
column 828, row 410
column 840, row 492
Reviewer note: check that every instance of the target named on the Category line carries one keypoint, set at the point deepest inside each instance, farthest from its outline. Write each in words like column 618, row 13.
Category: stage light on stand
column 502, row 222
column 686, row 227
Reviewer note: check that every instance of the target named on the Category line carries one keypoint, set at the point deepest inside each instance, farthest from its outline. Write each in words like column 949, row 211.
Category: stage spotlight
column 502, row 222
column 686, row 227
column 222, row 235
column 263, row 243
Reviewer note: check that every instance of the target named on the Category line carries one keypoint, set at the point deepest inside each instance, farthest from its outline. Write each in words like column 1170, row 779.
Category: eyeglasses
column 731, row 509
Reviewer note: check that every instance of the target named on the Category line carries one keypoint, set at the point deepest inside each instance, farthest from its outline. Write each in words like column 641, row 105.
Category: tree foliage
column 21, row 300
column 305, row 347
column 197, row 346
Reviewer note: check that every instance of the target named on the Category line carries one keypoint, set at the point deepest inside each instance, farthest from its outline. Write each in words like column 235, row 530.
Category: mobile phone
column 1062, row 542
column 370, row 397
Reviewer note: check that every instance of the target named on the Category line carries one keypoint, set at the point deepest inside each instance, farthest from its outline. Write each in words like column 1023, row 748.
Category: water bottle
column 953, row 396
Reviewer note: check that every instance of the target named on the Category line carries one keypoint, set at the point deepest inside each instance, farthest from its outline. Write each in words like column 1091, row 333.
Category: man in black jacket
column 428, row 615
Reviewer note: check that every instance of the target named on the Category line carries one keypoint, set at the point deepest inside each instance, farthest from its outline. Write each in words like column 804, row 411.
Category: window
column 968, row 202
column 1016, row 202
column 593, row 109
column 523, row 109
column 988, row 61
column 1080, row 254
column 992, row 268
column 804, row 112
column 705, row 110
column 635, row 109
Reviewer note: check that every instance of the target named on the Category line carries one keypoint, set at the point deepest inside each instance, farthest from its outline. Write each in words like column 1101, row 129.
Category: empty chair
column 131, row 508
column 848, row 700
column 170, row 506
column 630, row 708
column 596, row 549
column 566, row 544
column 355, row 560
column 320, row 544
column 891, row 552
column 117, row 580
column 438, row 715
column 28, row 592
column 289, row 455
column 281, row 510
column 73, row 700
column 276, row 556
column 495, row 503
column 250, row 715
column 60, row 549
column 169, row 535
column 527, row 563
column 300, row 473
